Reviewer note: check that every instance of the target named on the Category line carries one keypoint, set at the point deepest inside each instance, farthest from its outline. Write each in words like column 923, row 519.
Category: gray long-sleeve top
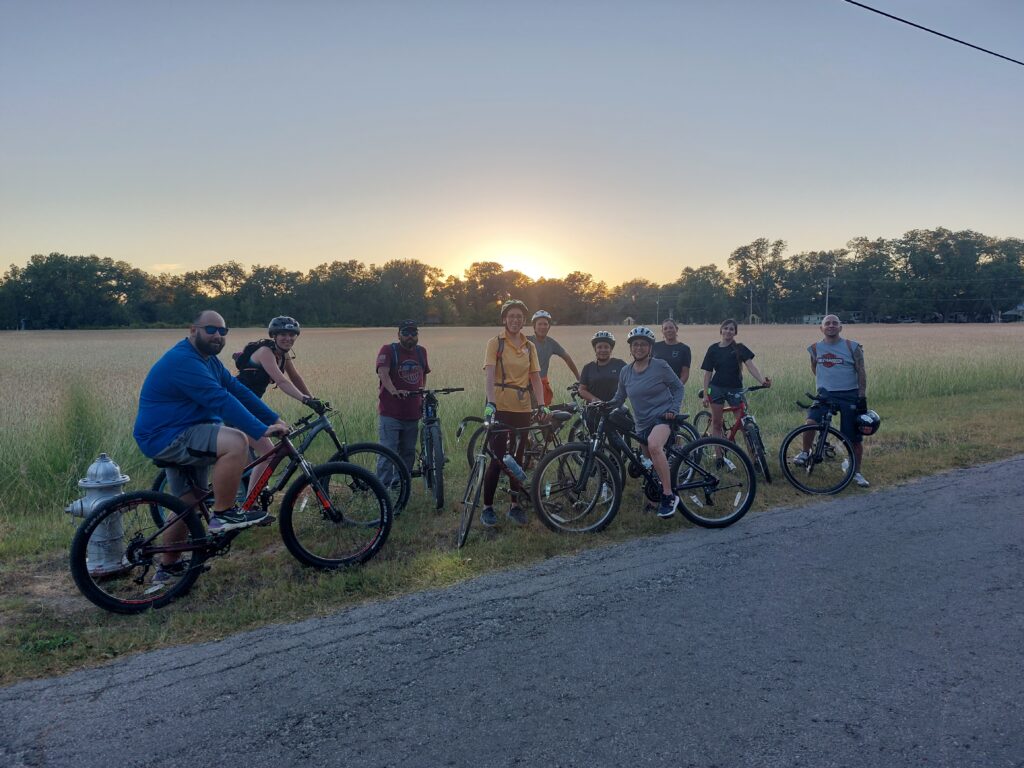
column 651, row 393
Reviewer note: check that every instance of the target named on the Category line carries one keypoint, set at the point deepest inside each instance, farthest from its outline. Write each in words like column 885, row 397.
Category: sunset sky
column 624, row 139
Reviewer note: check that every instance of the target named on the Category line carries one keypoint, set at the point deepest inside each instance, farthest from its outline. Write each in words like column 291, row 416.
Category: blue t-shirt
column 183, row 389
column 835, row 368
column 651, row 393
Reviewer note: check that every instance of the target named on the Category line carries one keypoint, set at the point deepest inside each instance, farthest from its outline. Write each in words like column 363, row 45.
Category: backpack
column 420, row 355
column 501, row 364
column 243, row 359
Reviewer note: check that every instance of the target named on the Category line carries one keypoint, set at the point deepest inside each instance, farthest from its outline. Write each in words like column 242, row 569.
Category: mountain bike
column 373, row 457
column 540, row 438
column 735, row 419
column 577, row 487
column 830, row 465
column 333, row 516
column 432, row 458
column 509, row 467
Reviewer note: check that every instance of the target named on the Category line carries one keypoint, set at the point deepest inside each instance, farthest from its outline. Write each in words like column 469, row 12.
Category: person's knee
column 232, row 442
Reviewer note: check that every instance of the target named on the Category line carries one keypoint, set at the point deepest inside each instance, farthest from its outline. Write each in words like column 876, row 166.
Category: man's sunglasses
column 210, row 330
column 409, row 332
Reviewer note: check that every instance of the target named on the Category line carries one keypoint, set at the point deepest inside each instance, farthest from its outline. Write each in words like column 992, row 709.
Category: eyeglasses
column 409, row 332
column 210, row 330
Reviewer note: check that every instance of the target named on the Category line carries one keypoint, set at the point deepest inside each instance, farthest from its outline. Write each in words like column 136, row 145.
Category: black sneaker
column 488, row 518
column 517, row 515
column 668, row 506
column 231, row 519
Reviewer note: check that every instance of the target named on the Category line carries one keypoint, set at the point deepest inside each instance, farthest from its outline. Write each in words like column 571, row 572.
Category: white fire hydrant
column 103, row 480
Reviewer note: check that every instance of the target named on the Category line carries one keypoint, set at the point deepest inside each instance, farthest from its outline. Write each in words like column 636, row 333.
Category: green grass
column 938, row 413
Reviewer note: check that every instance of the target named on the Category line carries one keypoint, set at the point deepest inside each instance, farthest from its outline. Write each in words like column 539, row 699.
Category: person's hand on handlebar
column 315, row 404
column 277, row 429
column 489, row 410
column 543, row 414
column 767, row 382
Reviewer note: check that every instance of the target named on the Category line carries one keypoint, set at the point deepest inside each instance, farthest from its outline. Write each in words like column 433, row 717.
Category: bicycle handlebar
column 442, row 391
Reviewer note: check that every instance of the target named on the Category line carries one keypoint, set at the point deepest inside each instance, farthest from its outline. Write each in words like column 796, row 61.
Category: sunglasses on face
column 211, row 330
column 409, row 332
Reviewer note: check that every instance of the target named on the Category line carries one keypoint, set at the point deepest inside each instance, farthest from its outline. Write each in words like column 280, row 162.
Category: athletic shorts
column 847, row 402
column 195, row 447
column 725, row 395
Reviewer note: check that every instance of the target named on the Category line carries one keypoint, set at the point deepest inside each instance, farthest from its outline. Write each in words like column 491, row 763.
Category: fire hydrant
column 102, row 481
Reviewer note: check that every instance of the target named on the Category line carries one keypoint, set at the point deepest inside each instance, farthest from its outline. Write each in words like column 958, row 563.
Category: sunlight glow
column 532, row 260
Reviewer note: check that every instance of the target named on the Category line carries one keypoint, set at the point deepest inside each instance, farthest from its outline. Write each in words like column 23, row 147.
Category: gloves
column 862, row 405
column 314, row 404
column 489, row 410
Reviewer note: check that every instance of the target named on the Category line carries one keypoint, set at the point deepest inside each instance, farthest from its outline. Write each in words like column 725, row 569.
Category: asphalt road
column 877, row 629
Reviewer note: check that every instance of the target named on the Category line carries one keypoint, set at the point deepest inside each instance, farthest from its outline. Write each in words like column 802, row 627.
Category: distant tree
column 759, row 268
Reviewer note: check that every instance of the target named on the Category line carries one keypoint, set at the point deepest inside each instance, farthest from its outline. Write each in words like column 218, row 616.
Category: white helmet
column 641, row 332
column 541, row 314
column 605, row 336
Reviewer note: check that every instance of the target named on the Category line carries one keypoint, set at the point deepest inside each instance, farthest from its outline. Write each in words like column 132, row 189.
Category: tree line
column 928, row 275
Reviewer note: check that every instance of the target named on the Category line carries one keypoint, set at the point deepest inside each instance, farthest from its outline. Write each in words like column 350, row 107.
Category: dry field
column 949, row 396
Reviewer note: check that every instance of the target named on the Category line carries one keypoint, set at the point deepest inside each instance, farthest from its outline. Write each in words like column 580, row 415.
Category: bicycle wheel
column 112, row 566
column 714, row 480
column 343, row 522
column 380, row 461
column 473, row 448
column 752, row 433
column 159, row 485
column 830, row 466
column 471, row 499
column 436, row 464
column 572, row 499
column 702, row 423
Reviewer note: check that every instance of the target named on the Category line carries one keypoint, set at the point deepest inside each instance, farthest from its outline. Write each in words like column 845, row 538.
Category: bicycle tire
column 702, row 423
column 752, row 433
column 728, row 482
column 108, row 534
column 558, row 503
column 351, row 532
column 826, row 476
column 471, row 500
column 436, row 449
column 471, row 447
column 369, row 456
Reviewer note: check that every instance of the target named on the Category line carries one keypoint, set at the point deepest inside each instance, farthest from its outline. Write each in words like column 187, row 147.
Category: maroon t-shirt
column 409, row 374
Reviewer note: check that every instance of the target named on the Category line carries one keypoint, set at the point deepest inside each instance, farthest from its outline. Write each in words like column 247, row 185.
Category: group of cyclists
column 194, row 413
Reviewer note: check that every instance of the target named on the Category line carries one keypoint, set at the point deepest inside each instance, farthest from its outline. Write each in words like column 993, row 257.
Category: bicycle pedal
column 268, row 520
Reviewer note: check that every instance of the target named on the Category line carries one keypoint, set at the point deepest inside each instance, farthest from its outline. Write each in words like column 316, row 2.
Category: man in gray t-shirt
column 546, row 349
column 839, row 373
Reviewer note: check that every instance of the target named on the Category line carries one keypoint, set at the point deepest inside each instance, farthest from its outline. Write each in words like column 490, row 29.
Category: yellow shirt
column 517, row 363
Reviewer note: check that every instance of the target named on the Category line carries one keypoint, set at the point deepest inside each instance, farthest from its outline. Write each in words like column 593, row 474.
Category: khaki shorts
column 195, row 447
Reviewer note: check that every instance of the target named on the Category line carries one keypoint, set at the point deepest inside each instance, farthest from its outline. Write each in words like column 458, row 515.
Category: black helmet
column 512, row 304
column 605, row 336
column 868, row 423
column 283, row 323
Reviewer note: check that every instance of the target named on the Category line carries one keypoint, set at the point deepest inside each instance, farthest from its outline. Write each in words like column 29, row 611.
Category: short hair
column 729, row 321
column 670, row 320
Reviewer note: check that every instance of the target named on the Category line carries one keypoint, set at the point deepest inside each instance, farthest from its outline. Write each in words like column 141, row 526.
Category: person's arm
column 235, row 403
column 764, row 380
column 862, row 374
column 586, row 394
column 384, row 374
column 538, row 386
column 707, row 386
column 814, row 363
column 675, row 388
column 569, row 362
column 297, row 380
column 266, row 359
column 684, row 371
column 620, row 391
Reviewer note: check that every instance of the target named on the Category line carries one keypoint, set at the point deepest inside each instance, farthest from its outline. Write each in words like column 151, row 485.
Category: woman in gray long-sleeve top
column 656, row 394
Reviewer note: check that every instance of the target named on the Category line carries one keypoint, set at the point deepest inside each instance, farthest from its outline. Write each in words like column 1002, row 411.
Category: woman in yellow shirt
column 513, row 371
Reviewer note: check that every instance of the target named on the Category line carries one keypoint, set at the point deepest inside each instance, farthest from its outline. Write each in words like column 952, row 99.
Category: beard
column 210, row 347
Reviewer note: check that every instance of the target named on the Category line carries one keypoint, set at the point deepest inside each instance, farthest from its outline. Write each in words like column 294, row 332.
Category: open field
column 949, row 396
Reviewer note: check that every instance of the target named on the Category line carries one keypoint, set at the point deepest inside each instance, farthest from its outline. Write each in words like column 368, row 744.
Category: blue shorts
column 725, row 395
column 847, row 402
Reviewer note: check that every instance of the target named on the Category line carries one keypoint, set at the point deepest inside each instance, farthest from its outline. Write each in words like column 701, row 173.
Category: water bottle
column 646, row 462
column 514, row 468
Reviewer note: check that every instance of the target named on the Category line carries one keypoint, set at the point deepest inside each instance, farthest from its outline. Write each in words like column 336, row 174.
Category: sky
column 624, row 139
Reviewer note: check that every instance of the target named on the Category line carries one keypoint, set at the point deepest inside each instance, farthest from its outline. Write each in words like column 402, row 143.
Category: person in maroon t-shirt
column 401, row 367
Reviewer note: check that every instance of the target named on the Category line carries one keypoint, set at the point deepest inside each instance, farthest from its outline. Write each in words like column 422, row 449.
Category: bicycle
column 334, row 515
column 432, row 458
column 740, row 420
column 830, row 464
column 370, row 456
column 540, row 438
column 509, row 467
column 714, row 479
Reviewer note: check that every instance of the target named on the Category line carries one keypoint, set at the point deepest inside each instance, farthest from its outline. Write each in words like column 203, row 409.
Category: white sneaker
column 801, row 458
column 860, row 480
column 846, row 464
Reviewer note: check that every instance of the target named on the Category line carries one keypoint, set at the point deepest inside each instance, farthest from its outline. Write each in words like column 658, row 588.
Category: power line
column 954, row 39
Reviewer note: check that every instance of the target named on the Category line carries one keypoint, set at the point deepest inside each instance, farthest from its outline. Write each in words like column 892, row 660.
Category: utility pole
column 750, row 313
column 657, row 309
column 827, row 280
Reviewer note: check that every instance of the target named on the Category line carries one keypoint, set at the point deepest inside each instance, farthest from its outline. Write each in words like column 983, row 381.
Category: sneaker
column 233, row 518
column 845, row 465
column 517, row 515
column 860, row 480
column 488, row 518
column 668, row 506
column 801, row 458
column 165, row 575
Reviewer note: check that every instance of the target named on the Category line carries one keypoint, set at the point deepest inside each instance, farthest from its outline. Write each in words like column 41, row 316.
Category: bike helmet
column 283, row 323
column 641, row 332
column 541, row 314
column 602, row 336
column 868, row 423
column 512, row 304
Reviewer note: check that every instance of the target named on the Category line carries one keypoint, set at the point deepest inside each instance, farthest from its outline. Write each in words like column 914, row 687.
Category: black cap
column 408, row 325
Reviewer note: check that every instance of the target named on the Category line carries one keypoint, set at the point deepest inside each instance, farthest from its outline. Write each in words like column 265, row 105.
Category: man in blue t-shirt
column 839, row 374
column 185, row 400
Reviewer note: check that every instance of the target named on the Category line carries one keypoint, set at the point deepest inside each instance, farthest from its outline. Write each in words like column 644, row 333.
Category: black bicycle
column 471, row 499
column 333, row 516
column 578, row 487
column 373, row 457
column 829, row 466
column 540, row 437
column 432, row 458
